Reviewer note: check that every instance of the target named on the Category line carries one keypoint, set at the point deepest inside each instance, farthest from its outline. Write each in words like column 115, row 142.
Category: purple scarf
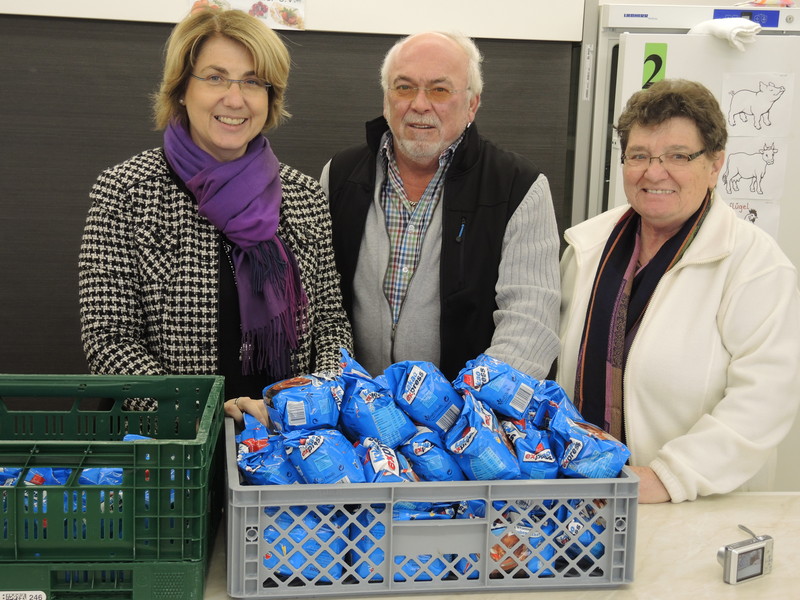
column 242, row 198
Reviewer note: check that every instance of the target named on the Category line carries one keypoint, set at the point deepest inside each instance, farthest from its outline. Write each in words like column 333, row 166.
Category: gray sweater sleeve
column 528, row 286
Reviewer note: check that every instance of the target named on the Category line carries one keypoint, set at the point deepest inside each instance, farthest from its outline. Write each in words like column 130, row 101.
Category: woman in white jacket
column 680, row 322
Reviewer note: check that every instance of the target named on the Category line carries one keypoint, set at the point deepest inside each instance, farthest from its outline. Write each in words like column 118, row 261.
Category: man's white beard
column 420, row 151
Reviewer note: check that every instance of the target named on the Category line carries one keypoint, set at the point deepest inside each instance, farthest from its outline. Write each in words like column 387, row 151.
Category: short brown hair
column 270, row 56
column 672, row 98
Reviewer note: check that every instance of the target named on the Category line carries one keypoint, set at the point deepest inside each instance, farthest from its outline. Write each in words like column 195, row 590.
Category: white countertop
column 675, row 555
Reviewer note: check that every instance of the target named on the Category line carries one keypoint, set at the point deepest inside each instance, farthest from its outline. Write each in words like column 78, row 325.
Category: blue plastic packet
column 515, row 545
column 268, row 465
column 551, row 398
column 479, row 445
column 585, row 450
column 467, row 566
column 39, row 476
column 407, row 510
column 307, row 402
column 368, row 409
column 9, row 476
column 253, row 437
column 100, row 476
column 382, row 464
column 581, row 525
column 367, row 533
column 522, row 542
column 541, row 560
column 429, row 458
column 132, row 437
column 534, row 509
column 532, row 446
column 471, row 509
column 422, row 567
column 324, row 456
column 588, row 512
column 304, row 527
column 422, row 392
column 498, row 385
column 47, row 476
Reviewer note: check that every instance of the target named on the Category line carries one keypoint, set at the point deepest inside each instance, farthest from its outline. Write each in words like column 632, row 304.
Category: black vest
column 483, row 187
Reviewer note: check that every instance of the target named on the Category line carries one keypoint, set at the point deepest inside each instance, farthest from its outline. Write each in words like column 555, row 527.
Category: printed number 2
column 655, row 64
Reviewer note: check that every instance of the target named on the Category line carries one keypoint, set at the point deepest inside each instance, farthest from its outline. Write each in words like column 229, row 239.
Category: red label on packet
column 254, row 445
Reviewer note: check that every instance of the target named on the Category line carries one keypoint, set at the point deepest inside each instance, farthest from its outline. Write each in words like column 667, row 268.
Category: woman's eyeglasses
column 249, row 85
column 674, row 160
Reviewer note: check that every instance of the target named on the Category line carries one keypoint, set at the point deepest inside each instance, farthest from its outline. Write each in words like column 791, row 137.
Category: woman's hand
column 236, row 407
column 651, row 490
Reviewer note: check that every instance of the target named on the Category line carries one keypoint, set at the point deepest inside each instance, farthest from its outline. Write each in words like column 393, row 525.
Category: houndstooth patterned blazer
column 149, row 274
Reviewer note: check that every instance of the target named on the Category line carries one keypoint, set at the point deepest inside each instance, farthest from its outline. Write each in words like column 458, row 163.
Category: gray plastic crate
column 342, row 540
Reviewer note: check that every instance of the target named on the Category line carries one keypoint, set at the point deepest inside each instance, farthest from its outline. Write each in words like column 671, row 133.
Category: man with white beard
column 447, row 245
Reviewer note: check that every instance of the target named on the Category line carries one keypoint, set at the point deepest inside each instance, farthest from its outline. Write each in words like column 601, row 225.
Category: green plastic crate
column 77, row 540
column 158, row 580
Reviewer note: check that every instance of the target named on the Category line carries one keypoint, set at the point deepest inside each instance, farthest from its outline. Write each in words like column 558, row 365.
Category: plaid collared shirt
column 406, row 223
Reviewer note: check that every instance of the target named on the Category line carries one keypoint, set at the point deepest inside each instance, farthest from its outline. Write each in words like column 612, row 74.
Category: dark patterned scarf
column 242, row 198
column 618, row 301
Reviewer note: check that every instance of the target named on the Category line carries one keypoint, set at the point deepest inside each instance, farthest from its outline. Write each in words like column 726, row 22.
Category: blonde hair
column 270, row 57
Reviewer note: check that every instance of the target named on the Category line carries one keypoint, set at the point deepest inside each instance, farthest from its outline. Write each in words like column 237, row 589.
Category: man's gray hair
column 474, row 73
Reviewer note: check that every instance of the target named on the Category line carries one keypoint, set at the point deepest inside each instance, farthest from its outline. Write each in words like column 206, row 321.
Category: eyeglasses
column 670, row 160
column 251, row 85
column 434, row 94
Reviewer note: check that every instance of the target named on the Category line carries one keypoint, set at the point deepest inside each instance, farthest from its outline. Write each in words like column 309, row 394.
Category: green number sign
column 655, row 64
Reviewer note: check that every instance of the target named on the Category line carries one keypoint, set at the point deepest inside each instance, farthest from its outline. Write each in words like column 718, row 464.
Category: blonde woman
column 207, row 255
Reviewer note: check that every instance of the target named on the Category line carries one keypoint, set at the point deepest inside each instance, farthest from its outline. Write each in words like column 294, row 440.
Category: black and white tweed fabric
column 148, row 274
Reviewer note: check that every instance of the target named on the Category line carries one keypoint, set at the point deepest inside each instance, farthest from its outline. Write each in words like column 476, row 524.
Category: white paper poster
column 755, row 167
column 765, row 214
column 757, row 96
column 758, row 109
column 278, row 14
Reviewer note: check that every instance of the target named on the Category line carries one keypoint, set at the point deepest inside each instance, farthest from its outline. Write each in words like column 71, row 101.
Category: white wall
column 730, row 3
column 510, row 19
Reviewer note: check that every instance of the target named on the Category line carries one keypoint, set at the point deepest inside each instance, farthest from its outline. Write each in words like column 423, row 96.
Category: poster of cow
column 757, row 107
column 753, row 168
